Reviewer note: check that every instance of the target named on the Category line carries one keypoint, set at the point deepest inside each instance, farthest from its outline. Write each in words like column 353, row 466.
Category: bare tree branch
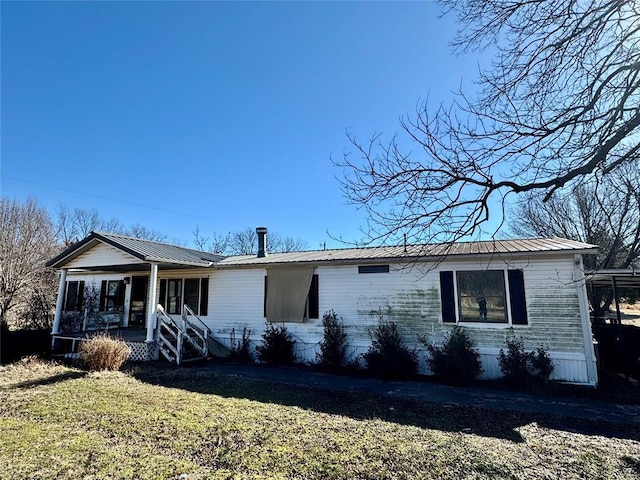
column 558, row 107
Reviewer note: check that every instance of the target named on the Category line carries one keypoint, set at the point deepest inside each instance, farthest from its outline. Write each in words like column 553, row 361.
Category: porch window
column 112, row 296
column 74, row 296
column 177, row 292
column 291, row 295
column 174, row 296
column 481, row 296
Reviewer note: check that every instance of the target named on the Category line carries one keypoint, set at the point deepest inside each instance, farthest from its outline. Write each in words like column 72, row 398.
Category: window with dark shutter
column 192, row 294
column 313, row 300
column 204, row 297
column 264, row 305
column 80, row 295
column 447, row 297
column 162, row 300
column 482, row 296
column 103, row 296
column 517, row 297
column 174, row 296
column 71, row 297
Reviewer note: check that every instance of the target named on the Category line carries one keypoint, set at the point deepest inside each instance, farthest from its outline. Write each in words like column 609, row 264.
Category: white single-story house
column 536, row 287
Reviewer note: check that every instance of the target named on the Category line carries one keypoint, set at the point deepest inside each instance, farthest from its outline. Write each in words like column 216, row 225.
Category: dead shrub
column 104, row 353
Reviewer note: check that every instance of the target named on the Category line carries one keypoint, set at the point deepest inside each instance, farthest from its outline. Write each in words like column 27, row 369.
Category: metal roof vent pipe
column 262, row 241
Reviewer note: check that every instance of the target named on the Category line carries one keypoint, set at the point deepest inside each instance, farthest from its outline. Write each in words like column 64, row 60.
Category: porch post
column 59, row 303
column 151, row 311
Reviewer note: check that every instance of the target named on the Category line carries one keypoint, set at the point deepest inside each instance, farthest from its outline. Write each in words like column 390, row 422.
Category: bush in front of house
column 240, row 350
column 277, row 346
column 456, row 362
column 524, row 369
column 333, row 347
column 388, row 356
column 101, row 352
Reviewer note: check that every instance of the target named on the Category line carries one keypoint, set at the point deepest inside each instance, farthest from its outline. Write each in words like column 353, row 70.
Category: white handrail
column 186, row 311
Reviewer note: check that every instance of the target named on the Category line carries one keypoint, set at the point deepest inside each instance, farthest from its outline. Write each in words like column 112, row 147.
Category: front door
column 138, row 311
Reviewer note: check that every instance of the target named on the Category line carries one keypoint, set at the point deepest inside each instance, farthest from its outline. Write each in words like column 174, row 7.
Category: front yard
column 159, row 422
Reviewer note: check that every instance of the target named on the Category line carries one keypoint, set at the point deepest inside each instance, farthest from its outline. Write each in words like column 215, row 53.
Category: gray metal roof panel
column 413, row 252
column 145, row 250
column 160, row 252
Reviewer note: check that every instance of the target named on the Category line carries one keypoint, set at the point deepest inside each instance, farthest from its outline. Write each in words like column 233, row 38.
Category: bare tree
column 72, row 225
column 245, row 242
column 559, row 105
column 27, row 241
column 604, row 213
column 139, row 231
column 218, row 243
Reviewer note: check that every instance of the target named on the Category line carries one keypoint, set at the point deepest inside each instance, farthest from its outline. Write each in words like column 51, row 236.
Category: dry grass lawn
column 158, row 422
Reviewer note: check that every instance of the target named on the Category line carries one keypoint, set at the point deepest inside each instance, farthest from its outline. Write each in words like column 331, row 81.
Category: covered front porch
column 110, row 283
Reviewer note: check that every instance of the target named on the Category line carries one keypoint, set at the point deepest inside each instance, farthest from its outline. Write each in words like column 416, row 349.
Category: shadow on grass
column 60, row 377
column 360, row 405
column 633, row 463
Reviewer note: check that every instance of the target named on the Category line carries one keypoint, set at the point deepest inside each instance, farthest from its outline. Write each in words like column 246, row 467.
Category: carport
column 618, row 344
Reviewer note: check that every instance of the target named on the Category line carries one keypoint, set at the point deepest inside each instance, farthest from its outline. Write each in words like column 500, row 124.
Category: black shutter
column 80, row 295
column 314, row 300
column 204, row 296
column 447, row 297
column 120, row 300
column 264, row 306
column 69, row 297
column 163, row 293
column 103, row 296
column 517, row 297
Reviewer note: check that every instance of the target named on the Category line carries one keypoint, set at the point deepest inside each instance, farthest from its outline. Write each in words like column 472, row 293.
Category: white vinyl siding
column 102, row 255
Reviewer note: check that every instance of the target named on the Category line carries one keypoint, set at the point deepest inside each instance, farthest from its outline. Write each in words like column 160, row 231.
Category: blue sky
column 222, row 115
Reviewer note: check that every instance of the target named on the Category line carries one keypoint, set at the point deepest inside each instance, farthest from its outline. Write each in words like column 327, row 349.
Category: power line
column 102, row 197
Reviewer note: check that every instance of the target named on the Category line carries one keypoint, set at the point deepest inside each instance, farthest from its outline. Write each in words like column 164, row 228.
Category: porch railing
column 169, row 336
column 183, row 340
column 195, row 331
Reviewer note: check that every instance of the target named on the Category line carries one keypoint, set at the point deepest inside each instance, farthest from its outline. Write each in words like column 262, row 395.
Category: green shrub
column 456, row 362
column 513, row 362
column 277, row 346
column 524, row 369
column 240, row 349
column 333, row 347
column 388, row 356
column 104, row 353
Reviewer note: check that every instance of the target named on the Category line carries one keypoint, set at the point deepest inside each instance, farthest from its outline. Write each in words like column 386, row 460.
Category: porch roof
column 144, row 250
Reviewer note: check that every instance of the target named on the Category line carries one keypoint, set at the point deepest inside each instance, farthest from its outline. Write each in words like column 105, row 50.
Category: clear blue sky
column 217, row 114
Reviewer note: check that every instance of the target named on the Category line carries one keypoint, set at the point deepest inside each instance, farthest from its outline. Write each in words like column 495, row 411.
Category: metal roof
column 145, row 250
column 173, row 255
column 627, row 278
column 415, row 252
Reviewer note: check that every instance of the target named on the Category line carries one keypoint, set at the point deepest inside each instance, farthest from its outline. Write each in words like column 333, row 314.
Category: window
column 373, row 268
column 481, row 296
column 74, row 296
column 311, row 301
column 312, row 309
column 177, row 292
column 174, row 296
column 112, row 296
